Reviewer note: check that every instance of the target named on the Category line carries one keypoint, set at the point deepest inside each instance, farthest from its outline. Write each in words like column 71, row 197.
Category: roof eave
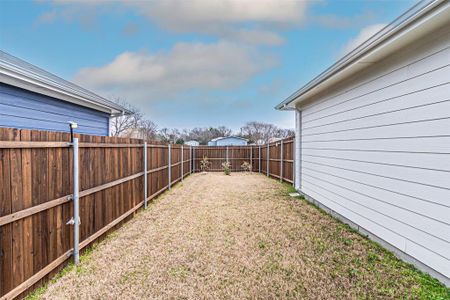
column 364, row 55
column 19, row 77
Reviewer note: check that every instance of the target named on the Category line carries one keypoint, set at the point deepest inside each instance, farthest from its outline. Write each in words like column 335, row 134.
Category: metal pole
column 145, row 175
column 281, row 162
column 190, row 160
column 268, row 160
column 76, row 204
column 182, row 163
column 227, row 153
column 170, row 168
column 251, row 157
column 298, row 150
column 193, row 160
column 259, row 158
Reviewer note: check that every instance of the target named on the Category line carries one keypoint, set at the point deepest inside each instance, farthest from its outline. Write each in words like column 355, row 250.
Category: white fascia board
column 391, row 42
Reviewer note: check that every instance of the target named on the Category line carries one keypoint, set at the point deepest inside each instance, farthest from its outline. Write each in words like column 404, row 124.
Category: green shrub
column 205, row 164
column 226, row 166
column 247, row 167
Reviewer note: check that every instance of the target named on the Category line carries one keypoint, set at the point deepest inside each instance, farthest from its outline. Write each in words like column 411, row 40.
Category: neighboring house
column 373, row 137
column 274, row 139
column 228, row 141
column 192, row 143
column 35, row 99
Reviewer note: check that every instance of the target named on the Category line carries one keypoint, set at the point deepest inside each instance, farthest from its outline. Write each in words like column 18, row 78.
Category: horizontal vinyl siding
column 231, row 141
column 24, row 109
column 376, row 149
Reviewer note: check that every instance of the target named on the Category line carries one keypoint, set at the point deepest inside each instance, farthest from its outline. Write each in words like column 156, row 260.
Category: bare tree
column 204, row 135
column 169, row 135
column 259, row 132
column 284, row 133
column 120, row 125
column 224, row 131
column 148, row 130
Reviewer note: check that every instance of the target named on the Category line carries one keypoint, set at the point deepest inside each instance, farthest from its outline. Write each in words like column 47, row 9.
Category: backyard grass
column 238, row 237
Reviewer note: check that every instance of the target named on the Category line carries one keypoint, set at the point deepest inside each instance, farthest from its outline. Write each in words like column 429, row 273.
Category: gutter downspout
column 298, row 150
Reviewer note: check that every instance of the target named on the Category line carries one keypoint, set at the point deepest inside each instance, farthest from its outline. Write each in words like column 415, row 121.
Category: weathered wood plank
column 31, row 144
column 25, row 135
column 6, row 253
column 108, row 145
column 36, row 277
column 37, row 180
column 51, row 194
column 17, row 205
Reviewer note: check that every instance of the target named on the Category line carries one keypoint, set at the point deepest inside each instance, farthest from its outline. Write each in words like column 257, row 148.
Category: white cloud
column 181, row 15
column 186, row 67
column 258, row 37
column 225, row 19
column 363, row 35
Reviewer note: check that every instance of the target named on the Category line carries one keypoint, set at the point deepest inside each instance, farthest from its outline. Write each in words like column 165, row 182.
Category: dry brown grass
column 234, row 237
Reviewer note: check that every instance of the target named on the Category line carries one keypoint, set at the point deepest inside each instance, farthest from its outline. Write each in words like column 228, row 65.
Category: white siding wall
column 376, row 150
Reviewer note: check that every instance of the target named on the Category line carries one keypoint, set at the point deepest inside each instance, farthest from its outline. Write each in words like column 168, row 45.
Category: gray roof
column 17, row 72
column 226, row 137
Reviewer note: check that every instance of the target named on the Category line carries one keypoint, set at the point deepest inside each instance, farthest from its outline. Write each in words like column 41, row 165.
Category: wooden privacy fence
column 275, row 159
column 116, row 177
column 36, row 192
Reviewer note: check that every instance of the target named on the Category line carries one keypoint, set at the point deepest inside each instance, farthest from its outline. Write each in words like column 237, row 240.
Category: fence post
column 251, row 158
column 182, row 163
column 145, row 175
column 281, row 162
column 259, row 158
column 190, row 160
column 268, row 159
column 170, row 167
column 193, row 160
column 227, row 153
column 76, row 204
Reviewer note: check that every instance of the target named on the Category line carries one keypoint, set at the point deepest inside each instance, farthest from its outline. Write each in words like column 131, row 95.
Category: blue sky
column 192, row 63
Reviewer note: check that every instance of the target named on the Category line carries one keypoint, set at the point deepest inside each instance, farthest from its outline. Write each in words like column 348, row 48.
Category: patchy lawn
column 238, row 237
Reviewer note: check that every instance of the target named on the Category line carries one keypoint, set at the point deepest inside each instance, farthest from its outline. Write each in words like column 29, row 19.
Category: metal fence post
column 145, row 175
column 190, row 160
column 268, row 160
column 251, row 158
column 182, row 163
column 76, row 203
column 227, row 153
column 193, row 160
column 170, row 167
column 281, row 162
column 259, row 158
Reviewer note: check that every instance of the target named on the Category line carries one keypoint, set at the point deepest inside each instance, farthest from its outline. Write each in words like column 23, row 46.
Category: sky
column 192, row 63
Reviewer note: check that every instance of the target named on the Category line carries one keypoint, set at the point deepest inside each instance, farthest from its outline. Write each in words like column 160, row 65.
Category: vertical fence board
column 27, row 203
column 33, row 176
column 6, row 261
column 16, row 205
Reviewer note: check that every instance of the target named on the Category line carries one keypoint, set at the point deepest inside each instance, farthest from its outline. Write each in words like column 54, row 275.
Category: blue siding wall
column 24, row 109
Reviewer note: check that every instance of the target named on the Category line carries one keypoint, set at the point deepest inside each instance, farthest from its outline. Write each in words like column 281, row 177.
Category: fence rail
column 274, row 159
column 36, row 192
